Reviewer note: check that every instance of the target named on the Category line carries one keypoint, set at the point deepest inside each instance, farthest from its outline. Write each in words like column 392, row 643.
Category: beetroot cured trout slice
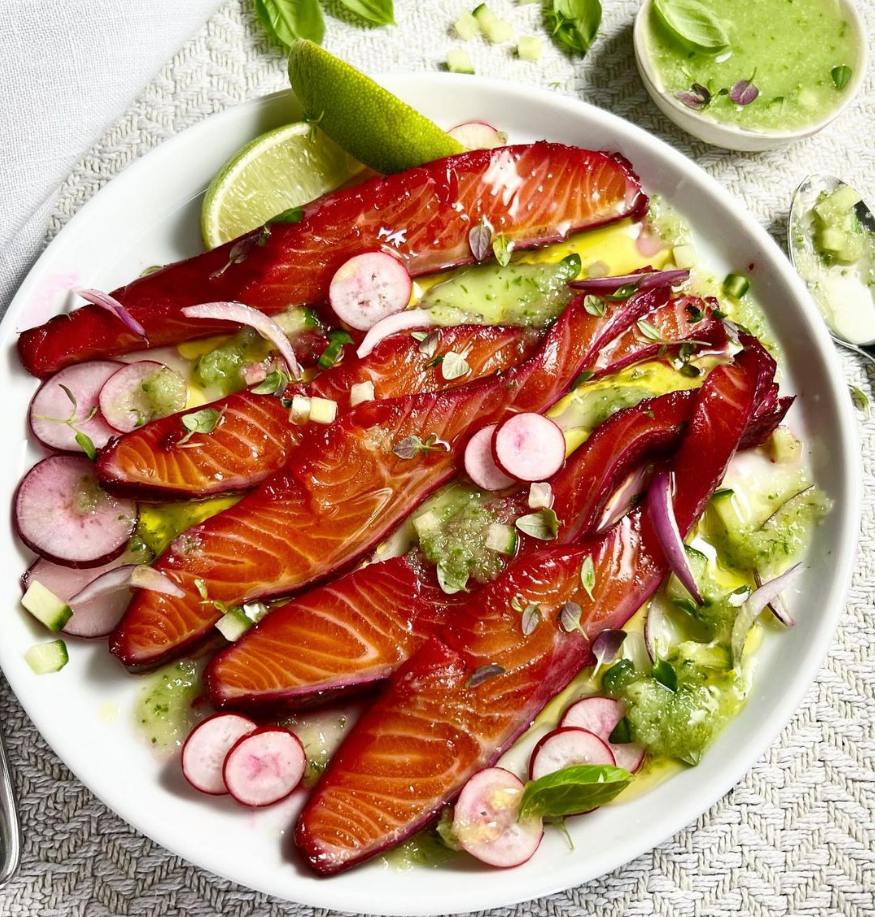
column 254, row 437
column 361, row 627
column 347, row 491
column 415, row 748
column 534, row 194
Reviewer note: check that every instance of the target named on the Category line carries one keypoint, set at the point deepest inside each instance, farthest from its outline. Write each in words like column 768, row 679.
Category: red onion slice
column 776, row 606
column 756, row 602
column 407, row 320
column 645, row 281
column 136, row 576
column 246, row 315
column 105, row 301
column 620, row 501
column 665, row 525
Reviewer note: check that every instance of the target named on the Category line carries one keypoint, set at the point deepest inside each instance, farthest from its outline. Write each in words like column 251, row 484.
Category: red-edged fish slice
column 533, row 194
column 346, row 492
column 365, row 633
column 684, row 318
column 414, row 749
column 254, row 437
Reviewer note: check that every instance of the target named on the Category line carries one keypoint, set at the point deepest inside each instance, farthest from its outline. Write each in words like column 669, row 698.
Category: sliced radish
column 566, row 747
column 141, row 392
column 265, row 766
column 486, row 824
column 207, row 746
column 368, row 288
column 408, row 320
column 99, row 605
column 479, row 463
column 62, row 514
column 51, row 406
column 529, row 447
column 600, row 716
column 478, row 135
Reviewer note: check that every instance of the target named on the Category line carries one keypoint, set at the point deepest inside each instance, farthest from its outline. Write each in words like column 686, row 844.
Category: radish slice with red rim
column 368, row 288
column 207, row 746
column 600, row 716
column 264, row 766
column 528, row 447
column 486, row 820
column 568, row 746
column 61, row 513
column 52, row 406
column 665, row 526
column 408, row 320
column 245, row 315
column 141, row 392
column 628, row 755
column 480, row 465
column 478, row 135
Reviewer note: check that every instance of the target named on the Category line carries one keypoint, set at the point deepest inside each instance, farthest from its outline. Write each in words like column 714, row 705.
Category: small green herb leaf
column 693, row 23
column 288, row 20
column 649, row 332
column 623, row 292
column 569, row 617
column 454, row 365
column 380, row 12
column 665, row 674
column 573, row 789
column 531, row 619
column 501, row 249
column 543, row 525
column 587, row 575
column 203, row 421
column 273, row 382
column 574, row 24
column 841, row 76
column 428, row 342
column 86, row 445
column 860, row 400
column 484, row 673
column 595, row 305
column 450, row 581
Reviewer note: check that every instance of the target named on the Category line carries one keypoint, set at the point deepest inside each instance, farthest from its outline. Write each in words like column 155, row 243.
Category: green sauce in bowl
column 802, row 56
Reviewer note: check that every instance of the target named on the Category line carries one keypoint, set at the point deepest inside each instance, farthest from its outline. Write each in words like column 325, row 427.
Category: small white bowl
column 730, row 136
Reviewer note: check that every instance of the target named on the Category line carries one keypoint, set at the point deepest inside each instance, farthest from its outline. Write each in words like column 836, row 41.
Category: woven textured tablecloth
column 797, row 835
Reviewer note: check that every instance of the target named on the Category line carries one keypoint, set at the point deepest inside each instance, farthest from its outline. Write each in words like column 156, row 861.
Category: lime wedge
column 284, row 168
column 370, row 123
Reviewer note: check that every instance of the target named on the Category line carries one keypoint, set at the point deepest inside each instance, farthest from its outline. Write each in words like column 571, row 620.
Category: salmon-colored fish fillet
column 533, row 194
column 417, row 746
column 255, row 437
column 345, row 492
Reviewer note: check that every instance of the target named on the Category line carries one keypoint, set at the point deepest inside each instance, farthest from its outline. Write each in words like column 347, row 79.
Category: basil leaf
column 693, row 23
column 841, row 76
column 572, row 790
column 543, row 525
column 380, row 12
column 288, row 20
column 574, row 24
column 665, row 674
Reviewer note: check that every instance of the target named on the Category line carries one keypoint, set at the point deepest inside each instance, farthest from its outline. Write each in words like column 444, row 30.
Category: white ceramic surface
column 149, row 215
column 730, row 136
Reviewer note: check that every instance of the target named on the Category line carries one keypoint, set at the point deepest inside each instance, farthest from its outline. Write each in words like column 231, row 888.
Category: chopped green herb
column 587, row 575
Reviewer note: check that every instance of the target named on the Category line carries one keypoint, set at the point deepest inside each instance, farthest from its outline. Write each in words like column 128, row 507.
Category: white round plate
column 149, row 215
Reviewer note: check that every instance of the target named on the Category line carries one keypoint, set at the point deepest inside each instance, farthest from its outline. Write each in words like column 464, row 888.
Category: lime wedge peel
column 282, row 169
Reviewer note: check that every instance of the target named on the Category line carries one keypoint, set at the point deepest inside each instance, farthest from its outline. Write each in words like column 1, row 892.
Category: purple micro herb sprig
column 697, row 97
column 744, row 91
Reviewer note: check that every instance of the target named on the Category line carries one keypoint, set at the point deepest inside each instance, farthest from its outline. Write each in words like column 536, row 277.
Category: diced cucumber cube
column 502, row 539
column 540, row 495
column 323, row 410
column 46, row 607
column 736, row 285
column 684, row 256
column 300, row 410
column 233, row 624
column 45, row 658
column 484, row 15
column 426, row 524
column 459, row 61
column 498, row 31
column 467, row 27
column 529, row 47
column 361, row 391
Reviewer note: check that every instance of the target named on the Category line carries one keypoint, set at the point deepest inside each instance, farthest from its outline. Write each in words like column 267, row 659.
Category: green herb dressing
column 163, row 714
column 788, row 47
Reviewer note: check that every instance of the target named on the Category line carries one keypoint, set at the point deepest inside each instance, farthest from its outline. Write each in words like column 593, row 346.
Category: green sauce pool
column 790, row 49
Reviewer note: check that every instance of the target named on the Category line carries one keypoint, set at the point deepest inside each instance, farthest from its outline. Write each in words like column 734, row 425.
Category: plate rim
column 788, row 703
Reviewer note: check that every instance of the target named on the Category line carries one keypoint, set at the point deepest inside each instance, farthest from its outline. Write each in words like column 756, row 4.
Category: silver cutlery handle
column 10, row 836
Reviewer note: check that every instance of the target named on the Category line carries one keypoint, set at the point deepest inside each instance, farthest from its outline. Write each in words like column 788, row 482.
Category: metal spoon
column 818, row 276
column 10, row 834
